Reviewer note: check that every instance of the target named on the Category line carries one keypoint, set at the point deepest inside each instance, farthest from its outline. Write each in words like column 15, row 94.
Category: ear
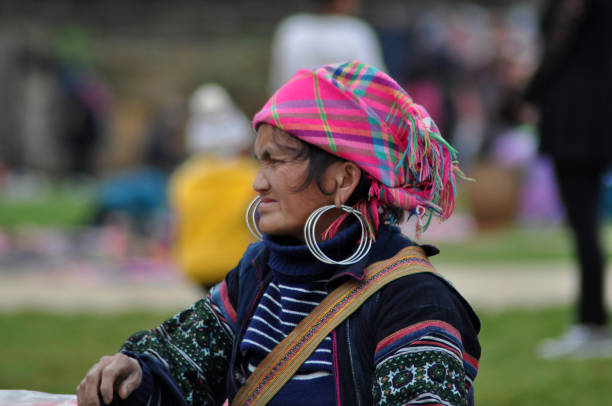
column 347, row 178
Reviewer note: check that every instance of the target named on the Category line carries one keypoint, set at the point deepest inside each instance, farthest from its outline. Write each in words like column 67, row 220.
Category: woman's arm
column 191, row 350
column 426, row 365
column 427, row 348
column 182, row 361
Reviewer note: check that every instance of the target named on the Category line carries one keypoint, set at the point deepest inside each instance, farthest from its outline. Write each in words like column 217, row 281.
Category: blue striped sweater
column 298, row 286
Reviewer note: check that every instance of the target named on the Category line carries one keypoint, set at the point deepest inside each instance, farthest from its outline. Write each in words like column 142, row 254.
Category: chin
column 280, row 231
column 268, row 229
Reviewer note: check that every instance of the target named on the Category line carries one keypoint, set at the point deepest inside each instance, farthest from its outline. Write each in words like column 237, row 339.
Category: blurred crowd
column 467, row 64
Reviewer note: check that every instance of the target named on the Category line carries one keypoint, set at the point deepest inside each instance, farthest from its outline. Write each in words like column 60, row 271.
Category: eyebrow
column 264, row 155
column 276, row 149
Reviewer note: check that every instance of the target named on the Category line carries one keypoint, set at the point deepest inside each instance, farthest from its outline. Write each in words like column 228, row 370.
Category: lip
column 267, row 204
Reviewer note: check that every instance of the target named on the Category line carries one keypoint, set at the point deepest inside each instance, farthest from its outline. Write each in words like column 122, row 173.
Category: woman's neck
column 291, row 257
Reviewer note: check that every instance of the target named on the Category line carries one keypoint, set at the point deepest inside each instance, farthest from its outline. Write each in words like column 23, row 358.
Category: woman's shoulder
column 254, row 255
column 424, row 288
column 254, row 250
column 429, row 295
column 241, row 282
column 421, row 290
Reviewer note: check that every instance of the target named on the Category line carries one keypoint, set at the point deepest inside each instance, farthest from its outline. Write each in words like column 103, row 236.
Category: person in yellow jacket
column 211, row 235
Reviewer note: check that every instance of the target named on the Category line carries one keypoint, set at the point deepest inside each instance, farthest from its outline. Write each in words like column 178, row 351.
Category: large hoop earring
column 251, row 220
column 365, row 242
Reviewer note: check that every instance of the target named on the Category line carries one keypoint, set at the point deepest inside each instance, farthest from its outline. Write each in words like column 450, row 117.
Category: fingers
column 87, row 391
column 132, row 381
column 107, row 382
column 117, row 371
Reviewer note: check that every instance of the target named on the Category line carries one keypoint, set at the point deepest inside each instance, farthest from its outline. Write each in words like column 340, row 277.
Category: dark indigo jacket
column 400, row 304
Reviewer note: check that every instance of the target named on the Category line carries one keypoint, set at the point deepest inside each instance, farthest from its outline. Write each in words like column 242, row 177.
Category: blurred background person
column 211, row 237
column 572, row 88
column 83, row 111
column 331, row 34
column 61, row 111
column 135, row 198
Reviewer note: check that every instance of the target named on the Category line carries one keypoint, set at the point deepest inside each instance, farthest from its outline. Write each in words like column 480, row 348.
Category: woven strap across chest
column 285, row 359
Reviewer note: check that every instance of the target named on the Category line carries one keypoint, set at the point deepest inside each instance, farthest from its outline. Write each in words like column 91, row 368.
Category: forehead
column 269, row 137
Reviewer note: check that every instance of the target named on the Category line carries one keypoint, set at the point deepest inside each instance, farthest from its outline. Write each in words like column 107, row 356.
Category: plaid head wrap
column 359, row 113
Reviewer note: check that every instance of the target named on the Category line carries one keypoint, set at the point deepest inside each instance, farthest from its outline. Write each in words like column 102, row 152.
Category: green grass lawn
column 516, row 244
column 511, row 374
column 52, row 352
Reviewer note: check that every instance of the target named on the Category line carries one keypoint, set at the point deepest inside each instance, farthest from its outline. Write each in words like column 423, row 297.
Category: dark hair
column 318, row 163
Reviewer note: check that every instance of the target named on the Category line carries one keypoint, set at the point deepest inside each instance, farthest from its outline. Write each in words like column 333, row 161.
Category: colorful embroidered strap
column 280, row 364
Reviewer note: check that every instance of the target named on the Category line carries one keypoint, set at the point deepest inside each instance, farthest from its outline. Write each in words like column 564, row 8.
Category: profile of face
column 286, row 202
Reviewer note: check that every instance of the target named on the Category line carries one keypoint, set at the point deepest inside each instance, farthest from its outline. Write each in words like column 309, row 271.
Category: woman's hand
column 117, row 372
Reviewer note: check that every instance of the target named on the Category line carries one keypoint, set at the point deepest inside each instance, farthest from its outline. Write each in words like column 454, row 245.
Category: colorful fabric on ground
column 423, row 364
column 359, row 113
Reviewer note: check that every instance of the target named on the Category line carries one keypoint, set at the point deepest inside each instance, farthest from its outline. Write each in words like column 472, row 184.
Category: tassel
column 375, row 189
column 332, row 230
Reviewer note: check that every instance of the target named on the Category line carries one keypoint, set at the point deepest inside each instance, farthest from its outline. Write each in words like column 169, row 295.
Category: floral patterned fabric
column 194, row 347
column 422, row 377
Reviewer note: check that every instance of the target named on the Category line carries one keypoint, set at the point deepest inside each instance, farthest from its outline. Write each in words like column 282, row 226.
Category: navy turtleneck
column 287, row 260
column 299, row 284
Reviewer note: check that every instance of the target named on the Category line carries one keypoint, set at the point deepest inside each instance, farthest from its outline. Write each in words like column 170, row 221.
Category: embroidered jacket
column 413, row 342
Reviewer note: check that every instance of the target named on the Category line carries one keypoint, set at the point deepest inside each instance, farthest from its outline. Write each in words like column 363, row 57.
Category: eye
column 267, row 159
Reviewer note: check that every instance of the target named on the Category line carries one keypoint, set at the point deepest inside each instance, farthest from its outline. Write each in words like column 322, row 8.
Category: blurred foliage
column 64, row 206
column 72, row 43
column 51, row 353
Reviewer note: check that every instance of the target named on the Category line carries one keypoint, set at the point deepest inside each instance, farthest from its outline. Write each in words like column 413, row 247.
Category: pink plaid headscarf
column 360, row 114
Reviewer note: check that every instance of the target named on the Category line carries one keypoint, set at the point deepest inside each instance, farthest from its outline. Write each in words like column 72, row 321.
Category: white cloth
column 304, row 41
column 33, row 398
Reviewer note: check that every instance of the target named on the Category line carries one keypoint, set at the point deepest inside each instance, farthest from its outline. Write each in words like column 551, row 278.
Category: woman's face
column 285, row 206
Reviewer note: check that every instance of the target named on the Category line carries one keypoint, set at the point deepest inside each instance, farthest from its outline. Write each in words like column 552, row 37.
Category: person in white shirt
column 307, row 40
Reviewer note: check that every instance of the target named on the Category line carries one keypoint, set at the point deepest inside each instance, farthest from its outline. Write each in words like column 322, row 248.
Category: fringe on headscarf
column 359, row 113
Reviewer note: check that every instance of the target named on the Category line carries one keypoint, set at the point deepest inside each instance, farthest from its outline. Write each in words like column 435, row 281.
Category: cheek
column 287, row 184
column 293, row 177
column 300, row 206
column 297, row 204
column 308, row 201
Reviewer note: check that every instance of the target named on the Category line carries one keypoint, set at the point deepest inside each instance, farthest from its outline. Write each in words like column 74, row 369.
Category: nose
column 260, row 184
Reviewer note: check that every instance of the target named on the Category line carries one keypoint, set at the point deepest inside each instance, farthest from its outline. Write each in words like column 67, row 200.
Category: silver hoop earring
column 365, row 242
column 251, row 220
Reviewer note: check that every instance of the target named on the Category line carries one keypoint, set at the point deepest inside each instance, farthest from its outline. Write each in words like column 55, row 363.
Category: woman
column 571, row 89
column 343, row 152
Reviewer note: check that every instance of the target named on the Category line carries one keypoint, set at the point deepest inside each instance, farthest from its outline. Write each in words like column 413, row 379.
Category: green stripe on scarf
column 275, row 113
column 330, row 137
